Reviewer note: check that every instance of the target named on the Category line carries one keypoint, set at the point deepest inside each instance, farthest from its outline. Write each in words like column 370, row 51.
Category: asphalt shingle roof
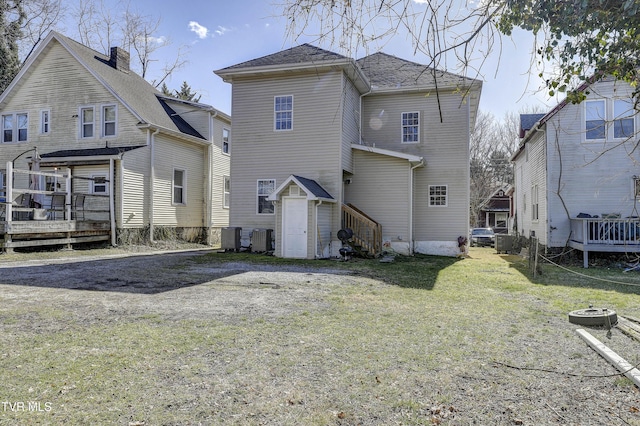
column 390, row 72
column 314, row 187
column 90, row 152
column 134, row 90
column 295, row 55
column 527, row 121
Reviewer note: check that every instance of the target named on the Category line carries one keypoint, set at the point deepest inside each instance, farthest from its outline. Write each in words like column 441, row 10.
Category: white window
column 265, row 188
column 45, row 121
column 87, row 122
column 283, row 112
column 636, row 187
column 623, row 118
column 534, row 202
column 438, row 195
column 99, row 184
column 3, row 189
column 500, row 220
column 226, row 191
column 595, row 119
column 15, row 127
column 410, row 127
column 225, row 141
column 179, row 187
column 109, row 120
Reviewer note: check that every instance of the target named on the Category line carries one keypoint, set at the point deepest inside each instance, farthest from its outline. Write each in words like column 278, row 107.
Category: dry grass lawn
column 211, row 338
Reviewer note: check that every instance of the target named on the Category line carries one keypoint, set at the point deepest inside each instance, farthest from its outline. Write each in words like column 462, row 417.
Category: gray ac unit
column 231, row 238
column 261, row 240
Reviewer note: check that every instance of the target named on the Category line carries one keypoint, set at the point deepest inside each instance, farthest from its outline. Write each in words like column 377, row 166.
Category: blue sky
column 223, row 33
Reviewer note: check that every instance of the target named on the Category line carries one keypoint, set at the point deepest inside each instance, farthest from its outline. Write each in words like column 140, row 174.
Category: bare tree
column 101, row 26
column 445, row 32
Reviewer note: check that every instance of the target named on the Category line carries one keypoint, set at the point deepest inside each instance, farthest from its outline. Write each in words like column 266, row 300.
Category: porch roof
column 90, row 155
column 314, row 190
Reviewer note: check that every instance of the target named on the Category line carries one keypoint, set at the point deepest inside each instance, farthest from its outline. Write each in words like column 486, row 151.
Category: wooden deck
column 614, row 235
column 33, row 233
column 29, row 217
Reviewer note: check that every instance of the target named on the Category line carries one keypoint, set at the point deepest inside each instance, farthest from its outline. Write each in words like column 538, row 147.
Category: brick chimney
column 119, row 59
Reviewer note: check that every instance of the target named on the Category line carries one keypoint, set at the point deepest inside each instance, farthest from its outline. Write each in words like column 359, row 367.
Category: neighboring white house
column 323, row 142
column 577, row 173
column 162, row 162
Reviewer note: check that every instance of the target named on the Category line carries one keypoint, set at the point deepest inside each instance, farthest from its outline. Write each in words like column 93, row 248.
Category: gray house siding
column 574, row 174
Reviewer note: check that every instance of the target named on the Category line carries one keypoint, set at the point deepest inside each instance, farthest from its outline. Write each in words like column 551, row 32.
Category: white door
column 294, row 227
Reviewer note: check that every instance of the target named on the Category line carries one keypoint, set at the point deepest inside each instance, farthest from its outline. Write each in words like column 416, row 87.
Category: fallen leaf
column 341, row 415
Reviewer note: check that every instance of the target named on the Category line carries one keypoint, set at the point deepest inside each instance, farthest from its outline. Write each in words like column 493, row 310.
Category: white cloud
column 221, row 30
column 200, row 30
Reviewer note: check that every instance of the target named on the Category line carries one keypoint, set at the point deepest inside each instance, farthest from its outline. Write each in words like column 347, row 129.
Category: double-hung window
column 109, row 120
column 265, row 188
column 595, row 119
column 438, row 195
column 87, row 122
column 410, row 127
column 226, row 191
column 179, row 189
column 15, row 127
column 623, row 118
column 283, row 112
column 45, row 121
column 534, row 203
column 225, row 141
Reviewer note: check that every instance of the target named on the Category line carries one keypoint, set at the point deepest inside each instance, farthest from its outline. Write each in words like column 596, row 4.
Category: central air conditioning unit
column 231, row 238
column 261, row 240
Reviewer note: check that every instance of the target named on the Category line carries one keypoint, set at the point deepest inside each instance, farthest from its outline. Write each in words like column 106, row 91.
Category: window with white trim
column 3, row 189
column 534, row 203
column 99, row 184
column 265, row 188
column 225, row 141
column 109, row 120
column 438, row 195
column 226, row 191
column 410, row 127
column 87, row 122
column 45, row 121
column 15, row 127
column 283, row 112
column 179, row 186
column 623, row 118
column 636, row 187
column 595, row 119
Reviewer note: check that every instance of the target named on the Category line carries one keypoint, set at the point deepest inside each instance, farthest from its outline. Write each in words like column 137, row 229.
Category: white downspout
column 317, row 230
column 152, row 176
column 411, row 242
column 112, row 204
column 208, row 179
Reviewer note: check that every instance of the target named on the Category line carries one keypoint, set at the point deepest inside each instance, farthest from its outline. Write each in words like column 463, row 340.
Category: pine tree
column 12, row 16
column 186, row 94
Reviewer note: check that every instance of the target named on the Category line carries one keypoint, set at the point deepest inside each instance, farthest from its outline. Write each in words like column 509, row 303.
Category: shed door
column 294, row 227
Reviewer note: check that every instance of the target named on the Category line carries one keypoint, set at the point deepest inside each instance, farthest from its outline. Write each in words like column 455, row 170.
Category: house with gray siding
column 157, row 165
column 576, row 172
column 324, row 142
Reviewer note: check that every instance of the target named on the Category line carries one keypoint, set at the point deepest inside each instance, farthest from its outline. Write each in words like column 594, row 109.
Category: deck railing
column 367, row 233
column 606, row 231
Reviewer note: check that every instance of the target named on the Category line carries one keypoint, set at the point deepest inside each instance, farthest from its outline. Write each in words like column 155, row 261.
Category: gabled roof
column 314, row 190
column 134, row 92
